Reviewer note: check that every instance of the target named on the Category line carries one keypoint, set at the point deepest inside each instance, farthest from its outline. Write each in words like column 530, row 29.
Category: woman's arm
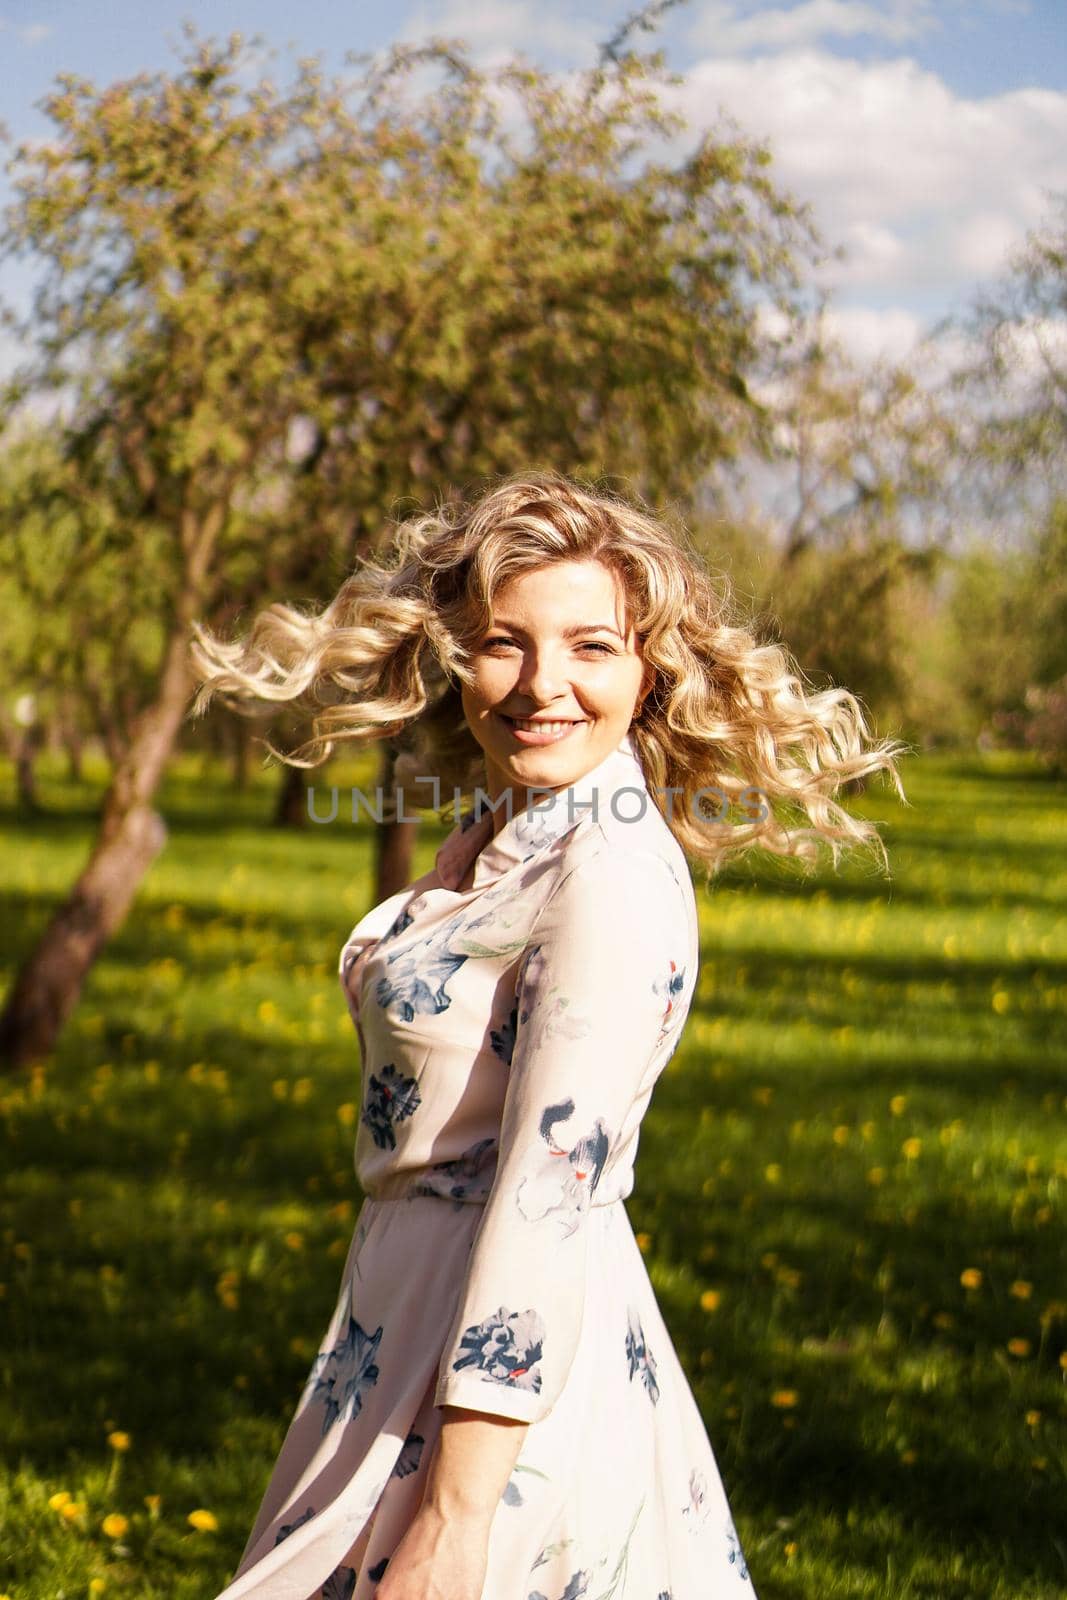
column 445, row 1551
column 472, row 1463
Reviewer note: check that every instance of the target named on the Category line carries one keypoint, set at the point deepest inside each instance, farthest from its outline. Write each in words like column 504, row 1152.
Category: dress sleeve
column 596, row 1019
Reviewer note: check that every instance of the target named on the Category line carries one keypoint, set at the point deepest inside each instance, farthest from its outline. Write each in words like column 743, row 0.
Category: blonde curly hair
column 388, row 654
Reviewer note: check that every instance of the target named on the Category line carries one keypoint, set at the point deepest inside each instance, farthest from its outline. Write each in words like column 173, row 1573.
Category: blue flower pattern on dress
column 577, row 1586
column 340, row 1585
column 639, row 1356
column 410, row 1455
column 506, row 1347
column 468, row 1175
column 402, row 920
column 669, row 989
column 503, row 1039
column 564, row 1190
column 289, row 1527
column 735, row 1557
column 417, row 986
column 339, row 1377
column 390, row 1099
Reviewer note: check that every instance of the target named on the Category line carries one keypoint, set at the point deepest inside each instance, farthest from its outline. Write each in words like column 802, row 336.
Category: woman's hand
column 439, row 1558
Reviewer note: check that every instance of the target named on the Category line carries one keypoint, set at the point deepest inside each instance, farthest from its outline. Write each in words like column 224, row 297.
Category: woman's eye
column 587, row 644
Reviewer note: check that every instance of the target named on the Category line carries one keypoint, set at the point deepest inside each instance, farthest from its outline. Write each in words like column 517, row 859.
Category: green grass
column 867, row 1103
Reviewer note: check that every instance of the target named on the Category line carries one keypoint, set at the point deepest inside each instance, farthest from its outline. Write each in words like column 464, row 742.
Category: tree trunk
column 73, row 745
column 239, row 741
column 291, row 808
column 49, row 983
column 394, row 841
column 27, row 804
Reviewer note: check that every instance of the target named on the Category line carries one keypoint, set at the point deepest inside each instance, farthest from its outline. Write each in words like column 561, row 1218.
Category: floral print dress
column 511, row 1035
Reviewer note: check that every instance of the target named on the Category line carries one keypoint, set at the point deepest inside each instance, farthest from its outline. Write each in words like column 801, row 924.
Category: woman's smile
column 541, row 730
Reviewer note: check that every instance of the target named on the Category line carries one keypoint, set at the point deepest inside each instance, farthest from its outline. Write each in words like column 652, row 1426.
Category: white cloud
column 928, row 189
column 30, row 33
column 870, row 335
column 496, row 29
column 727, row 30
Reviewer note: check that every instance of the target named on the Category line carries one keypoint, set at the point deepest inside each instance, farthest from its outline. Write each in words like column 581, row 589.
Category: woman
column 497, row 1411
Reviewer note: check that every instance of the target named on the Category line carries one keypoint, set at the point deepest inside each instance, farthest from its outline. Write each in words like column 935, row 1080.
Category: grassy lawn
column 850, row 1193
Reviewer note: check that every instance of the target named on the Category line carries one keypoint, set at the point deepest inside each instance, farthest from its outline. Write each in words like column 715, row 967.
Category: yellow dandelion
column 60, row 1499
column 911, row 1148
column 971, row 1278
column 710, row 1299
column 1021, row 1289
column 294, row 1241
column 791, row 1549
column 97, row 1585
column 841, row 1133
column 1019, row 1347
column 115, row 1525
column 773, row 1172
column 784, row 1397
column 908, row 1457
column 153, row 1502
column 73, row 1510
column 119, row 1441
column 1033, row 1418
column 1063, row 1359
column 644, row 1241
column 1001, row 1002
column 867, row 1129
column 876, row 1175
column 1039, row 1463
column 897, row 1104
column 346, row 1114
column 203, row 1521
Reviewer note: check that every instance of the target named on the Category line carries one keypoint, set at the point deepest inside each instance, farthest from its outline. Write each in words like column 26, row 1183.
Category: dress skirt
column 615, row 1495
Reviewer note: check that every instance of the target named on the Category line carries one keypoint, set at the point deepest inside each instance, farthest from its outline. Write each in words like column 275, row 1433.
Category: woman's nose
column 542, row 675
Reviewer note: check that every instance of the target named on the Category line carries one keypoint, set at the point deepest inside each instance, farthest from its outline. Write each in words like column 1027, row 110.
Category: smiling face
column 560, row 651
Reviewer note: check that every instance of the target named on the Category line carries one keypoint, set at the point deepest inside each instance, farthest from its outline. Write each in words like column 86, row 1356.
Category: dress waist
column 435, row 1185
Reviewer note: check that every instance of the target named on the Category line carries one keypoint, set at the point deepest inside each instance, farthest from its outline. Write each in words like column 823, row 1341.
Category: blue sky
column 927, row 134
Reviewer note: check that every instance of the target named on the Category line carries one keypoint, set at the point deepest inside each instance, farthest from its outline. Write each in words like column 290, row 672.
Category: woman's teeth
column 540, row 727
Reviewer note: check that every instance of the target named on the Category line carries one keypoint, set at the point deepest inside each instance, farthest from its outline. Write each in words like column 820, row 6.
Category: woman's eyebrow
column 567, row 633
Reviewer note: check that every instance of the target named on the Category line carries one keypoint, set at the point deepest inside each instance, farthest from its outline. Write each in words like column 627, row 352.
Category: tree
column 277, row 313
column 1012, row 381
column 861, row 454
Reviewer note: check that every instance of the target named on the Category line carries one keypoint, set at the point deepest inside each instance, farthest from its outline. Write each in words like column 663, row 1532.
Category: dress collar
column 526, row 833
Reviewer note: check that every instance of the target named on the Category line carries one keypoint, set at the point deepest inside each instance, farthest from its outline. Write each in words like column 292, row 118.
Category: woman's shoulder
column 628, row 854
